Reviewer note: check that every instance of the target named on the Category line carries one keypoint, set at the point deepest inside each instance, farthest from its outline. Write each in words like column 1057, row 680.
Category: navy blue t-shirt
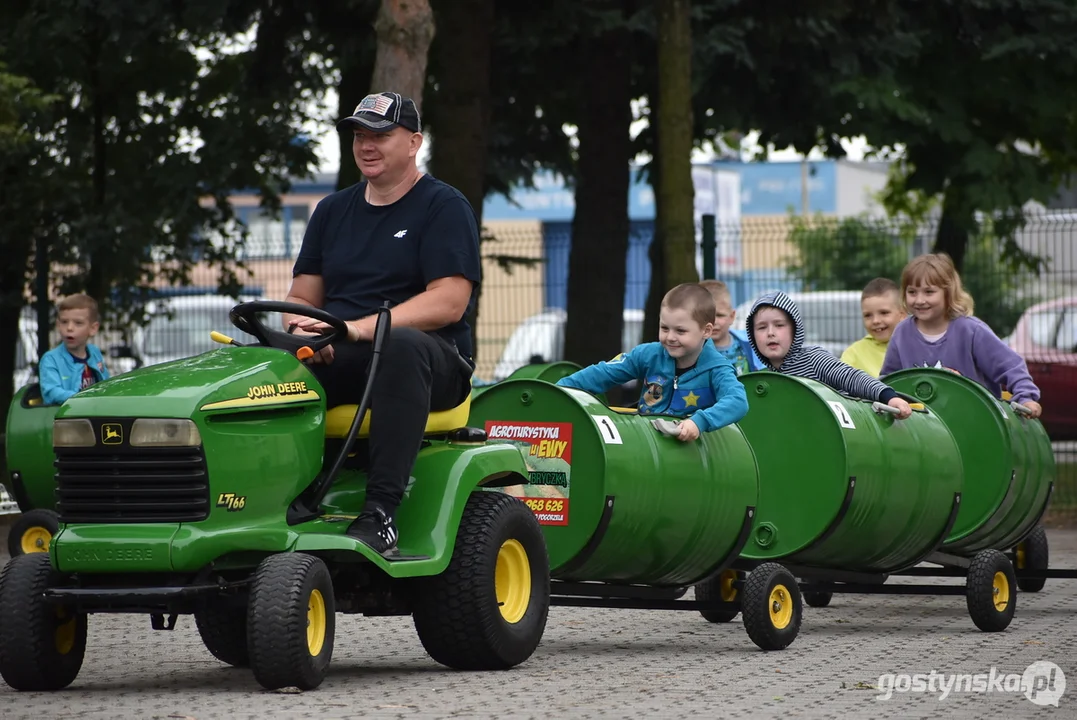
column 367, row 254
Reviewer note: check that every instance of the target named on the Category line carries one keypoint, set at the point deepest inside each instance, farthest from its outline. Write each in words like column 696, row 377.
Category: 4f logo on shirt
column 400, row 234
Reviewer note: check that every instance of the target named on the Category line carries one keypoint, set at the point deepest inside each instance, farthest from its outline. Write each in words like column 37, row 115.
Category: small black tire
column 32, row 532
column 990, row 591
column 224, row 632
column 818, row 599
column 720, row 588
column 771, row 606
column 41, row 645
column 1032, row 553
column 290, row 621
column 459, row 617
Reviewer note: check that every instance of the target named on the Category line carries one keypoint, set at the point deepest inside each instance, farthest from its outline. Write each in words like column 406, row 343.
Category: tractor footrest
column 182, row 598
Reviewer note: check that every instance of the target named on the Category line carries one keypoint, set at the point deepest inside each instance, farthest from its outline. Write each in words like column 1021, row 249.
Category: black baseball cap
column 381, row 112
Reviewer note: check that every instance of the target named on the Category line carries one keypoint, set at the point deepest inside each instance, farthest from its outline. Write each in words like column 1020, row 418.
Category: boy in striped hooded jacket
column 776, row 333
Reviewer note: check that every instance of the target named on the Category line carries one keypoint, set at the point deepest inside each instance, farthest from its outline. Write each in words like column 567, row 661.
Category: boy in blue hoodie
column 76, row 363
column 681, row 375
column 732, row 344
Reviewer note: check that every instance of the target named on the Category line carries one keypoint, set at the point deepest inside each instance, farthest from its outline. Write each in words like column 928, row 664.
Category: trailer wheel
column 487, row 610
column 818, row 599
column 290, row 621
column 990, row 591
column 41, row 645
column 224, row 632
column 720, row 588
column 32, row 532
column 1032, row 554
column 771, row 606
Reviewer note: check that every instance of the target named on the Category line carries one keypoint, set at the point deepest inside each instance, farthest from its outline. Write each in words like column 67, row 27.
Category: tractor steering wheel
column 245, row 317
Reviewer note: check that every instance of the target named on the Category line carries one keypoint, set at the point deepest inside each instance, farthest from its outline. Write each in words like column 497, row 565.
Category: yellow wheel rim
column 315, row 623
column 64, row 635
column 1001, row 590
column 781, row 607
column 1020, row 556
column 36, row 539
column 725, row 585
column 512, row 581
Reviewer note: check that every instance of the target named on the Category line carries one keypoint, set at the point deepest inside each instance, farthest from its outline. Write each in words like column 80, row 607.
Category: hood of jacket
column 783, row 302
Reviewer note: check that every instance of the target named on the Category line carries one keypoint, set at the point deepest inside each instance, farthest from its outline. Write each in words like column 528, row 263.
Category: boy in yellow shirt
column 880, row 304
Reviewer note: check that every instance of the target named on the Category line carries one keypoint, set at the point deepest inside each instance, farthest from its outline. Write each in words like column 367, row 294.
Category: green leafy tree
column 935, row 79
column 160, row 114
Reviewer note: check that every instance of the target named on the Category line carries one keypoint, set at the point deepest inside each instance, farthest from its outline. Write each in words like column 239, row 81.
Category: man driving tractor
column 406, row 238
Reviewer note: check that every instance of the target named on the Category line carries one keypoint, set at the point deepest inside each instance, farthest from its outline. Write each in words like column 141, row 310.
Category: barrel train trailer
column 811, row 492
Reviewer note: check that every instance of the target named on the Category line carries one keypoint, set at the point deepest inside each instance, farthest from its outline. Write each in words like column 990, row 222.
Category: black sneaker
column 374, row 528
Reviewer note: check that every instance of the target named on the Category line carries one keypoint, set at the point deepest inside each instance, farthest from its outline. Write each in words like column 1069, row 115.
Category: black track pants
column 417, row 372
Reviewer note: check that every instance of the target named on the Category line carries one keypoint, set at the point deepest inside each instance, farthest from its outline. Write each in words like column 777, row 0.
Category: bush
column 846, row 254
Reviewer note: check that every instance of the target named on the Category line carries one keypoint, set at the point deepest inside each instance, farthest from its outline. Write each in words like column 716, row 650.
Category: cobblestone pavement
column 604, row 663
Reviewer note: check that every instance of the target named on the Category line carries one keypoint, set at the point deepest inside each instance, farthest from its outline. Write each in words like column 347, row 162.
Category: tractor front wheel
column 224, row 632
column 41, row 645
column 290, row 621
column 487, row 610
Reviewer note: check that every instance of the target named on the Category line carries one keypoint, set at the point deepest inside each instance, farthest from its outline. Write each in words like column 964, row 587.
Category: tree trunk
column 461, row 119
column 600, row 225
column 405, row 29
column 354, row 85
column 674, row 195
column 957, row 223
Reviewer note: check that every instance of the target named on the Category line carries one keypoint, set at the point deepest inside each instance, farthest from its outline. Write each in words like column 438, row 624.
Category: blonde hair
column 79, row 301
column 695, row 299
column 938, row 269
column 718, row 290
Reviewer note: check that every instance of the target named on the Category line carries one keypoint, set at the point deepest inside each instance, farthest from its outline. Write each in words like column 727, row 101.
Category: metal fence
column 825, row 260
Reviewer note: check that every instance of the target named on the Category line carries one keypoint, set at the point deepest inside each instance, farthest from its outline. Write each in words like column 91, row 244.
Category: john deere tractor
column 221, row 486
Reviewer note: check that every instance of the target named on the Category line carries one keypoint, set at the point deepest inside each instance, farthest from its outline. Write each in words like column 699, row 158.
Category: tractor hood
column 229, row 378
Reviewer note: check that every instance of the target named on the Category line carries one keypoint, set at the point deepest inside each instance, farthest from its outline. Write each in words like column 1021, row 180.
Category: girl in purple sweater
column 940, row 331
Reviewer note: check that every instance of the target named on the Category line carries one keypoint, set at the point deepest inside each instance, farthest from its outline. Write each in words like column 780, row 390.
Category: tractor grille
column 132, row 486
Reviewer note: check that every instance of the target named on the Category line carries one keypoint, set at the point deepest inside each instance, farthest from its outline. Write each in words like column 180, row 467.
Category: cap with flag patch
column 382, row 112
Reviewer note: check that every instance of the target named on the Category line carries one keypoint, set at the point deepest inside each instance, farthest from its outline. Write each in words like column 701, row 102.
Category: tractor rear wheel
column 487, row 610
column 41, row 645
column 290, row 621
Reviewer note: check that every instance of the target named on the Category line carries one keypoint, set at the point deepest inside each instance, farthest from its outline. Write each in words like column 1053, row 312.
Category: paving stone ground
column 604, row 664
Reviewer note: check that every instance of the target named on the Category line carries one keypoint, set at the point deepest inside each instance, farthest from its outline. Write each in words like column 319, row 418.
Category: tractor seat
column 339, row 420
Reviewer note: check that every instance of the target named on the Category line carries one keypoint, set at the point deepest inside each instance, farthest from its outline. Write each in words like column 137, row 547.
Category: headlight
column 158, row 432
column 73, row 433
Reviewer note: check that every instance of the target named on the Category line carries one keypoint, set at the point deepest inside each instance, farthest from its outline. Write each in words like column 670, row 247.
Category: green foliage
column 936, row 80
column 846, row 254
column 160, row 115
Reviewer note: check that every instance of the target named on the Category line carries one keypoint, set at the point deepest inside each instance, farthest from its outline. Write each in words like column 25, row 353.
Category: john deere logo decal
column 111, row 434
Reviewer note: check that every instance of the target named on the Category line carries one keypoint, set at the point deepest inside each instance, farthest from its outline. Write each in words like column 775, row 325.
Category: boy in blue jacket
column 681, row 375
column 732, row 344
column 77, row 363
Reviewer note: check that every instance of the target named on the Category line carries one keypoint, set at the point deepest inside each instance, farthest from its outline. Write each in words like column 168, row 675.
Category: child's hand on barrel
column 903, row 408
column 689, row 431
column 1034, row 408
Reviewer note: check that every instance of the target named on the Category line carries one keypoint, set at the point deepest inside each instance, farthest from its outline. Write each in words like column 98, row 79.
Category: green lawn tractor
column 220, row 486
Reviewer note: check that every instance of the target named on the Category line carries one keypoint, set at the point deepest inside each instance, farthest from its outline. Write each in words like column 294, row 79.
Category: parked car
column 1046, row 337
column 832, row 318
column 179, row 327
column 541, row 338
